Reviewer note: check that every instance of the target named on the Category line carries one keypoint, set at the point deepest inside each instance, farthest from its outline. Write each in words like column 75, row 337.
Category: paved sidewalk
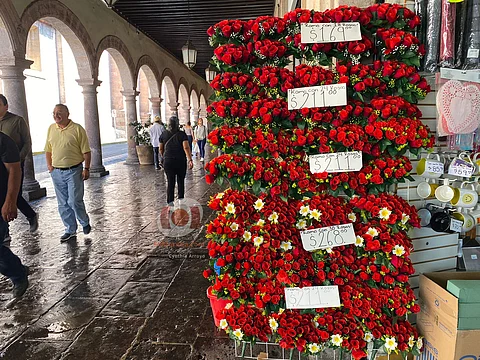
column 123, row 292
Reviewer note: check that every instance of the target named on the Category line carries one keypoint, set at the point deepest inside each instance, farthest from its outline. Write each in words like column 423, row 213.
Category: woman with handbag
column 175, row 151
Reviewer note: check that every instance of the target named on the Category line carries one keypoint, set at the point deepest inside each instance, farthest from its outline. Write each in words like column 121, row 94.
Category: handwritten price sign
column 328, row 237
column 317, row 96
column 312, row 297
column 461, row 168
column 434, row 167
column 336, row 162
column 330, row 32
column 456, row 225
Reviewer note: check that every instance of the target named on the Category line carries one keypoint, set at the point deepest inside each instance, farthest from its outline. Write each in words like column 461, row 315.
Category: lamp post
column 189, row 53
column 210, row 73
column 110, row 3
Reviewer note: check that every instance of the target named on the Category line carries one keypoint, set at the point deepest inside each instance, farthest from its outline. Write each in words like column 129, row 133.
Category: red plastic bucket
column 217, row 305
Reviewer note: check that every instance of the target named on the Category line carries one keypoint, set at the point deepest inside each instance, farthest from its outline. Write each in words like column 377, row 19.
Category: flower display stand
column 309, row 244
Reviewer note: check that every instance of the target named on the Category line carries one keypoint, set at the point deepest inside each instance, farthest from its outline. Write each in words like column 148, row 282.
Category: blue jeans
column 10, row 264
column 201, row 146
column 69, row 190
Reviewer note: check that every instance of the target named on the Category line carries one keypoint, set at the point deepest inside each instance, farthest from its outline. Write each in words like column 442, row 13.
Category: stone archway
column 116, row 69
column 203, row 105
column 183, row 101
column 149, row 99
column 194, row 105
column 169, row 95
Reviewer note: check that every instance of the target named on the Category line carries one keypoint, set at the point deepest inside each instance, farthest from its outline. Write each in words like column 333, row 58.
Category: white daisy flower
column 315, row 214
column 230, row 208
column 329, row 250
column 390, row 344
column 301, row 224
column 219, row 195
column 273, row 218
column 238, row 334
column 336, row 340
column 411, row 341
column 352, row 217
column 273, row 324
column 405, row 218
column 304, row 210
column 399, row 250
column 314, row 348
column 420, row 343
column 223, row 324
column 258, row 205
column 359, row 241
column 368, row 337
column 234, row 226
column 384, row 213
column 260, row 222
column 258, row 240
column 286, row 245
column 372, row 232
column 247, row 235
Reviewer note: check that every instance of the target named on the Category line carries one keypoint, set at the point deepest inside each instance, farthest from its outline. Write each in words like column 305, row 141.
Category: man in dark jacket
column 16, row 128
column 10, row 178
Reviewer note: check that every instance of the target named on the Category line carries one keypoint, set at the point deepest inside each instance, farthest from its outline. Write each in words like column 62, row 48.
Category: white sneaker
column 201, row 159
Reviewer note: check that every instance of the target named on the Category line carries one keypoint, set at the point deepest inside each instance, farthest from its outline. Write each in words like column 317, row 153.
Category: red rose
column 391, row 15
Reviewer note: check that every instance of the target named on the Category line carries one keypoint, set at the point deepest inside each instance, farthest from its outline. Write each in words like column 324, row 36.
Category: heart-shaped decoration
column 459, row 105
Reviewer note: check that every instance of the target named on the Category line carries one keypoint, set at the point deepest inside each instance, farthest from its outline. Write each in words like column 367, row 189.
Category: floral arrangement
column 272, row 196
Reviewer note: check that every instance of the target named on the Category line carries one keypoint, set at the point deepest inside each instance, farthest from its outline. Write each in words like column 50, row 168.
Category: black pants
column 190, row 141
column 156, row 156
column 175, row 169
column 22, row 204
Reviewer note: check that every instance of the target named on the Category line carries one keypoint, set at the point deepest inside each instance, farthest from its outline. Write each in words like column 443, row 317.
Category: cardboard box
column 438, row 320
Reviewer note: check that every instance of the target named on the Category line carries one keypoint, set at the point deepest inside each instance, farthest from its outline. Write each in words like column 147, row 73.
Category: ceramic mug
column 465, row 198
column 444, row 193
column 425, row 216
column 466, row 218
column 475, row 214
column 426, row 190
column 427, row 163
column 464, row 163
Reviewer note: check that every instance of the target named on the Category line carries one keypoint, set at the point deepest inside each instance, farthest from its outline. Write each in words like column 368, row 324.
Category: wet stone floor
column 125, row 291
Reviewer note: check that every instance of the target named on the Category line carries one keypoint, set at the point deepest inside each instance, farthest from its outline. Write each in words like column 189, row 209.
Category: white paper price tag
column 312, row 297
column 456, row 225
column 336, row 162
column 460, row 170
column 330, row 32
column 328, row 237
column 317, row 96
column 473, row 53
column 434, row 167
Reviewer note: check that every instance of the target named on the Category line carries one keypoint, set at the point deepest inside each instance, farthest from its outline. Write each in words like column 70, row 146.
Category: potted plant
column 142, row 139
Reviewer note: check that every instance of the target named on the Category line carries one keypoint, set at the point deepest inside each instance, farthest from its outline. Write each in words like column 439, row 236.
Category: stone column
column 184, row 114
column 14, row 90
column 173, row 110
column 156, row 106
column 131, row 115
column 92, row 125
column 196, row 115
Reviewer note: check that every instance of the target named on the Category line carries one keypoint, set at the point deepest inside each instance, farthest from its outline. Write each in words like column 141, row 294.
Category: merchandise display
column 308, row 243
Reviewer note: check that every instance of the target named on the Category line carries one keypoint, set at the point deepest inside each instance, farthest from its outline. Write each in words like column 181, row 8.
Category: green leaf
column 392, row 151
column 256, row 187
column 409, row 54
column 219, row 180
column 416, row 62
column 301, row 125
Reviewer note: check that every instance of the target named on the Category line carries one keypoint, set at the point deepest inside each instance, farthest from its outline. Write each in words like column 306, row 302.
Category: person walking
column 66, row 149
column 10, row 180
column 16, row 128
column 201, row 138
column 189, row 132
column 155, row 132
column 175, row 150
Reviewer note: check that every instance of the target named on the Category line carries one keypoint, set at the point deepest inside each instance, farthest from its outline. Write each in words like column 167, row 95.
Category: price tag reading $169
column 312, row 297
column 312, row 33
column 328, row 237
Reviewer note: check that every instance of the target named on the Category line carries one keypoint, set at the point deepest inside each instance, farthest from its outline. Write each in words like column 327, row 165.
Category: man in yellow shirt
column 66, row 149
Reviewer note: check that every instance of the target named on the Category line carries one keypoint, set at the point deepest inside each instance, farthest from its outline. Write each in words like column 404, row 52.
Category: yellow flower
column 336, row 340
column 301, row 224
column 405, row 218
column 352, row 217
column 372, row 232
column 315, row 214
column 420, row 343
column 257, row 241
column 304, row 210
column 223, row 324
column 286, row 245
column 399, row 250
column 273, row 324
column 384, row 213
column 411, row 341
column 219, row 195
column 329, row 250
column 234, row 226
column 273, row 218
column 314, row 348
column 238, row 334
column 359, row 241
column 258, row 205
column 390, row 344
column 368, row 337
column 247, row 235
column 260, row 222
column 230, row 208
